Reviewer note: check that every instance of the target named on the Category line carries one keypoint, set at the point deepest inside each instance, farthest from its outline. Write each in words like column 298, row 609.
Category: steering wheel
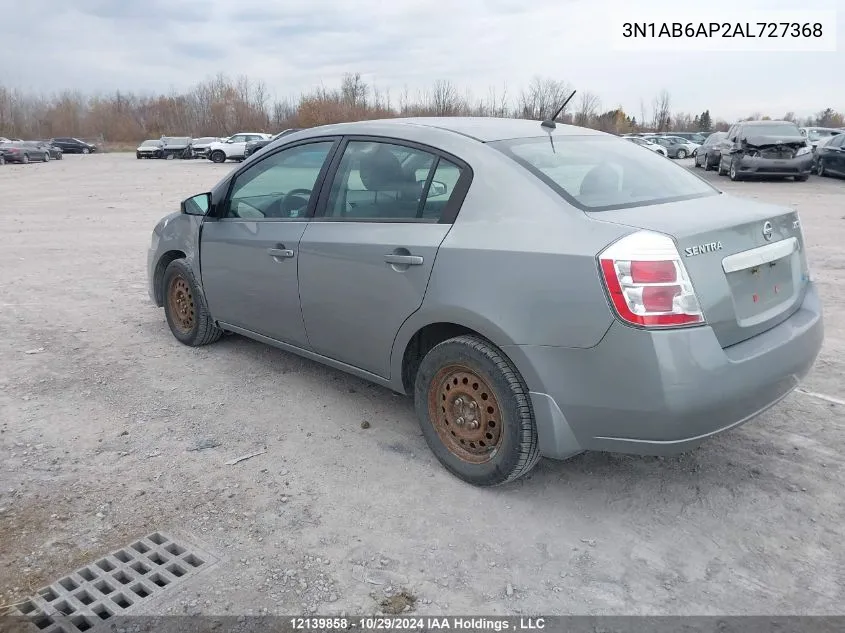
column 289, row 203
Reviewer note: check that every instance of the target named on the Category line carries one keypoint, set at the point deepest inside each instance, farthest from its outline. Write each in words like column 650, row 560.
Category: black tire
column 26, row 159
column 137, row 155
column 734, row 170
column 59, row 156
column 46, row 158
column 682, row 154
column 707, row 165
column 820, row 169
column 802, row 177
column 85, row 150
column 517, row 448
column 218, row 156
column 157, row 155
column 2, row 160
column 185, row 308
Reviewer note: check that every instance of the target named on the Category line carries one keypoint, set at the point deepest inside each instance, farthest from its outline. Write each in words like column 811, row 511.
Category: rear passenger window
column 388, row 182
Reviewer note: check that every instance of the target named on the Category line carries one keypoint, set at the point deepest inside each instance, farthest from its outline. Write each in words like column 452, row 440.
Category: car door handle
column 280, row 252
column 407, row 260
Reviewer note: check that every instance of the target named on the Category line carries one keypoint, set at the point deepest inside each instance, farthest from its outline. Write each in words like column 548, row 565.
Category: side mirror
column 228, row 140
column 196, row 205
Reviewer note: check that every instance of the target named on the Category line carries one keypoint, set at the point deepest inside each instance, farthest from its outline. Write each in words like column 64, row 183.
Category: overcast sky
column 147, row 46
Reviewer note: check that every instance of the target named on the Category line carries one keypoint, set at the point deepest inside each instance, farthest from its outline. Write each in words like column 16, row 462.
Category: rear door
column 365, row 260
column 835, row 154
column 249, row 254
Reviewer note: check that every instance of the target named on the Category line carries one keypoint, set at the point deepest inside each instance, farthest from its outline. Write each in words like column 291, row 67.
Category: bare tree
column 354, row 90
column 444, row 98
column 542, row 97
column 661, row 111
column 588, row 106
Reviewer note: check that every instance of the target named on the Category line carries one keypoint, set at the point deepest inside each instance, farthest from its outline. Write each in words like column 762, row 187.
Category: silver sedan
column 538, row 290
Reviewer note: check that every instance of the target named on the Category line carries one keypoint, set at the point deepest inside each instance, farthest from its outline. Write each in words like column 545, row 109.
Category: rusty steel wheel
column 475, row 411
column 465, row 413
column 182, row 307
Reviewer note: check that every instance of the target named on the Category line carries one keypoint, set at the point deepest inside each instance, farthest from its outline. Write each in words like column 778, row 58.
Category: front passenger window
column 280, row 185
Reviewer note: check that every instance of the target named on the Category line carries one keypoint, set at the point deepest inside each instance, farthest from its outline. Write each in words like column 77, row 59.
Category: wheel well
column 158, row 276
column 421, row 343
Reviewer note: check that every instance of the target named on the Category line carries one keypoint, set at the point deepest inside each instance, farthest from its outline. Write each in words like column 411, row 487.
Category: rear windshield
column 599, row 173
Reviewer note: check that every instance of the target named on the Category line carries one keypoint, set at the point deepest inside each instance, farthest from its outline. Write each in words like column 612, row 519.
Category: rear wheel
column 734, row 170
column 682, row 153
column 46, row 157
column 217, row 156
column 820, row 169
column 707, row 165
column 26, row 158
column 475, row 412
column 184, row 306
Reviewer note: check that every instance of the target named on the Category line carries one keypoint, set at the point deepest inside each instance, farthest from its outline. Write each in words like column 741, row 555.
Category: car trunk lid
column 746, row 260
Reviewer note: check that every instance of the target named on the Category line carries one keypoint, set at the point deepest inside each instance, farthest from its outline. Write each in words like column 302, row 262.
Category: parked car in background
column 830, row 157
column 24, row 152
column 765, row 149
column 697, row 138
column 816, row 134
column 676, row 147
column 70, row 145
column 254, row 146
column 648, row 144
column 151, row 148
column 631, row 259
column 708, row 154
column 234, row 147
column 200, row 145
column 176, row 147
column 54, row 151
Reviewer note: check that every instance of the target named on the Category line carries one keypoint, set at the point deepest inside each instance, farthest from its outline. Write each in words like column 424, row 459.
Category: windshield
column 814, row 134
column 150, row 143
column 715, row 138
column 773, row 129
column 597, row 173
column 204, row 140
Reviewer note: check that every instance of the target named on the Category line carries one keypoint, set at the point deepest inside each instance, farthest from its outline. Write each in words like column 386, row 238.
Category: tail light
column 647, row 282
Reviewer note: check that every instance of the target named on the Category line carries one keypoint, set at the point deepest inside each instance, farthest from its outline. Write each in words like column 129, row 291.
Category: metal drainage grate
column 108, row 587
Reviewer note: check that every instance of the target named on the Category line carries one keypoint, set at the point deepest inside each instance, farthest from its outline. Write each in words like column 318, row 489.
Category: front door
column 366, row 258
column 250, row 254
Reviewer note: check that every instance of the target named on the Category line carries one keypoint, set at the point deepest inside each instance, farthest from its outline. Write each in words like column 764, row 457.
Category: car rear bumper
column 659, row 393
column 755, row 166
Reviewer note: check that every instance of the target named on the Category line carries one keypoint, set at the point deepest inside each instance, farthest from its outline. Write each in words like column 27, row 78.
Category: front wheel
column 802, row 177
column 46, row 158
column 26, row 159
column 820, row 169
column 475, row 412
column 85, row 150
column 217, row 156
column 707, row 165
column 184, row 306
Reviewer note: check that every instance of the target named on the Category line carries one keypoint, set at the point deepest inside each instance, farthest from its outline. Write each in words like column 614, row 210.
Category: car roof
column 755, row 123
column 484, row 129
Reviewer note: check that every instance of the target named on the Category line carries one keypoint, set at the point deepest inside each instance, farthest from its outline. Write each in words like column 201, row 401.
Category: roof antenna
column 550, row 123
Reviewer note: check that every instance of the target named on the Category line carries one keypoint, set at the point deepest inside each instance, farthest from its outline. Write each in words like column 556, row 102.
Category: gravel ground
column 111, row 430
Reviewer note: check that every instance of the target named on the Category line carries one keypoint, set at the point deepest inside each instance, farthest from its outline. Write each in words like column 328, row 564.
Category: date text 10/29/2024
column 409, row 623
